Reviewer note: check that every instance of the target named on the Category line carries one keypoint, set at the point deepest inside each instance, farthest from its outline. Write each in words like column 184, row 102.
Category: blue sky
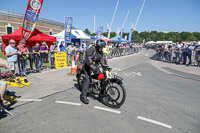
column 159, row 15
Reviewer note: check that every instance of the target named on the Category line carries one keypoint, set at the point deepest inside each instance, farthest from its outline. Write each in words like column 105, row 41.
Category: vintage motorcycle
column 110, row 90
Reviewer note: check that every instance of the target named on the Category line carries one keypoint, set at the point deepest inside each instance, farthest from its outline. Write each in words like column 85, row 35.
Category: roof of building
column 21, row 16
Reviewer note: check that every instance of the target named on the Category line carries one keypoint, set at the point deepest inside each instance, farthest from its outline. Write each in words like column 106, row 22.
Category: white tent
column 76, row 34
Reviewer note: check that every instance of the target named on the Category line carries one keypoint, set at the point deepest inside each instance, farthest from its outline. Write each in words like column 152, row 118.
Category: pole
column 113, row 19
column 139, row 14
column 94, row 23
column 125, row 20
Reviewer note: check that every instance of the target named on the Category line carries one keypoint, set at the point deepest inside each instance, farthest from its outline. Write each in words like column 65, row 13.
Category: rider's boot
column 84, row 99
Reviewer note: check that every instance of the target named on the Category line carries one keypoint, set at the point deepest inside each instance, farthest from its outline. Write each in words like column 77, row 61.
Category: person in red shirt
column 24, row 54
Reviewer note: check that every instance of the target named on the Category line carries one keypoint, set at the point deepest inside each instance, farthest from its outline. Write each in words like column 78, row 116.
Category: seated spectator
column 3, row 86
column 12, row 53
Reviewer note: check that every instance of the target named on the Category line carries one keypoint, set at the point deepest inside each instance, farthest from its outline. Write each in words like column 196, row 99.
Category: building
column 10, row 21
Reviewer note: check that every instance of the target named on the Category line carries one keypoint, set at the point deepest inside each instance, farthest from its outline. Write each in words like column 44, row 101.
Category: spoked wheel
column 115, row 95
column 80, row 78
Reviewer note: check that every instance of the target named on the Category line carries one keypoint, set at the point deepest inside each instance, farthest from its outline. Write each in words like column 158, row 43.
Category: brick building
column 10, row 21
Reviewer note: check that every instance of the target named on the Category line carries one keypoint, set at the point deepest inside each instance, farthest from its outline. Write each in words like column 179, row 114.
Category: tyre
column 115, row 95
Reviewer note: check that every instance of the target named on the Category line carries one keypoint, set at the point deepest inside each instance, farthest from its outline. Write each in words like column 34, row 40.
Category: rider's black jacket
column 93, row 58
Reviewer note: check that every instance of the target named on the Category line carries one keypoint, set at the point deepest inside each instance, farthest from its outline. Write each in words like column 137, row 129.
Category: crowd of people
column 42, row 57
column 185, row 53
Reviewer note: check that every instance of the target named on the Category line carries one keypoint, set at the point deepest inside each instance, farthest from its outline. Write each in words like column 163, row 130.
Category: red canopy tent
column 36, row 37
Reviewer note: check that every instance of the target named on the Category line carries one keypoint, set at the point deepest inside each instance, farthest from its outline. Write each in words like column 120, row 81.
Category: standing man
column 177, row 48
column 43, row 52
column 24, row 54
column 53, row 49
column 189, row 53
column 11, row 53
column 70, row 52
column 82, row 51
column 36, row 52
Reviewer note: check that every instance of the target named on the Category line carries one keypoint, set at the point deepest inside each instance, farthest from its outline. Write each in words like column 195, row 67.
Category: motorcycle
column 110, row 90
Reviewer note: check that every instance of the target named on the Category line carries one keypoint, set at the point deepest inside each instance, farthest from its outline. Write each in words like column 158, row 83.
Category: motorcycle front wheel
column 115, row 95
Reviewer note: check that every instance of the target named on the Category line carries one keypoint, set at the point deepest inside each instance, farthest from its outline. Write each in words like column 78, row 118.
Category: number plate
column 108, row 74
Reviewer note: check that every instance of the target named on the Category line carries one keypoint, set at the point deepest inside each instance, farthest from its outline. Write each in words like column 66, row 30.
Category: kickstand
column 2, row 108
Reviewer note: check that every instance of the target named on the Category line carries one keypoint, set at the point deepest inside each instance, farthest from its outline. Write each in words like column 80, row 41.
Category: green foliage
column 2, row 55
column 87, row 31
column 155, row 36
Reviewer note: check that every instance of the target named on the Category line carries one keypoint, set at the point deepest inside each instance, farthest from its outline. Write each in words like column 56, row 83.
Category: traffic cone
column 73, row 68
column 77, row 55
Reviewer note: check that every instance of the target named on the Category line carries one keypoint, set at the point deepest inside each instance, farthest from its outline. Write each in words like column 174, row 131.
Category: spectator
column 43, row 52
column 53, row 49
column 76, row 50
column 3, row 86
column 197, row 57
column 189, row 53
column 36, row 52
column 177, row 48
column 184, row 53
column 24, row 54
column 70, row 52
column 62, row 46
column 12, row 53
column 82, row 51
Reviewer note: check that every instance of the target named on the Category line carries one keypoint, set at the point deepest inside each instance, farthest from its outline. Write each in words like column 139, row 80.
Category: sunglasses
column 12, row 43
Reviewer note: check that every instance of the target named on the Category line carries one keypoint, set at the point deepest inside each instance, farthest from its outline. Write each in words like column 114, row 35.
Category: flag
column 99, row 32
column 31, row 18
column 121, row 34
column 68, row 29
column 130, row 36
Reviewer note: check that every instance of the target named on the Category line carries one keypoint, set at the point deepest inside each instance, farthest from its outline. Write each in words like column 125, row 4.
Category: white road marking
column 154, row 122
column 126, row 74
column 139, row 74
column 29, row 100
column 70, row 103
column 106, row 109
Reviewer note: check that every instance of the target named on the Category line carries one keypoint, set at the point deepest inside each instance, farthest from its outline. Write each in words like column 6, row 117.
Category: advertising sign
column 31, row 18
column 99, row 32
column 60, row 60
column 68, row 28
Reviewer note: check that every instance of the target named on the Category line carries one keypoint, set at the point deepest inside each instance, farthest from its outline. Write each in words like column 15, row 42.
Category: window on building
column 50, row 32
column 9, row 29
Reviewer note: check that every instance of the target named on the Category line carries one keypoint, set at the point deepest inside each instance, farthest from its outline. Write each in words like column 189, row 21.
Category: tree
column 87, row 31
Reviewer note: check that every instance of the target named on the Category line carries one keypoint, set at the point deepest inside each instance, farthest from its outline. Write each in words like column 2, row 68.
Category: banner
column 31, row 18
column 121, row 34
column 99, row 32
column 68, row 28
column 130, row 36
column 60, row 60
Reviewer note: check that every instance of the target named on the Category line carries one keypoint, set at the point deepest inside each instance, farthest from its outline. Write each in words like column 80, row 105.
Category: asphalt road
column 157, row 102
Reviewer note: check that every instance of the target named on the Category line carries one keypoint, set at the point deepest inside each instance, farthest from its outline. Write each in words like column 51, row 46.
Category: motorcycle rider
column 94, row 56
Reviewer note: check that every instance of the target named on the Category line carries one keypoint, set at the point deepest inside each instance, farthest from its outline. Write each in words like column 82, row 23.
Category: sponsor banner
column 68, row 28
column 121, row 34
column 60, row 60
column 130, row 36
column 31, row 18
column 99, row 32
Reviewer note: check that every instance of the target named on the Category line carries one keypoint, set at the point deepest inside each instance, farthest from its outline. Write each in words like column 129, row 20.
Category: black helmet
column 100, row 43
